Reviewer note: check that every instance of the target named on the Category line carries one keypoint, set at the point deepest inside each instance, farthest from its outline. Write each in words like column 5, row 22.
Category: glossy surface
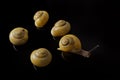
column 18, row 36
column 60, row 28
column 70, row 43
column 41, row 57
column 41, row 17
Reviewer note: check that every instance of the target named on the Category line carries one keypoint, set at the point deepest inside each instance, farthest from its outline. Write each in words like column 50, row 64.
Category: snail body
column 70, row 43
column 41, row 18
column 18, row 36
column 41, row 57
column 60, row 28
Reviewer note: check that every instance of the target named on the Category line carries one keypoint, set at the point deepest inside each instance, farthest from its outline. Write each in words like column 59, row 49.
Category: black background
column 87, row 19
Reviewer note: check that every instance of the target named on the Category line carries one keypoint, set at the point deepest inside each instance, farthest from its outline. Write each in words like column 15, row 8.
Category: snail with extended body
column 18, row 36
column 60, row 28
column 41, row 57
column 41, row 18
column 72, row 44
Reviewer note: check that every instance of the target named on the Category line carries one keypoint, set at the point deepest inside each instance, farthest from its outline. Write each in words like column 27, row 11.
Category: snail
column 18, row 36
column 41, row 18
column 41, row 57
column 72, row 44
column 69, row 43
column 60, row 28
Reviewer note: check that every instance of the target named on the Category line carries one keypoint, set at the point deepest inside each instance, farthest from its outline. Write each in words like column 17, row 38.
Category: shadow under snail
column 41, row 57
column 41, row 18
column 60, row 28
column 72, row 44
column 18, row 36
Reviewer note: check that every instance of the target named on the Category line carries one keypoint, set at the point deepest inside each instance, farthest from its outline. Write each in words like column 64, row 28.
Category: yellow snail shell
column 18, row 36
column 69, row 43
column 41, row 57
column 41, row 18
column 60, row 28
